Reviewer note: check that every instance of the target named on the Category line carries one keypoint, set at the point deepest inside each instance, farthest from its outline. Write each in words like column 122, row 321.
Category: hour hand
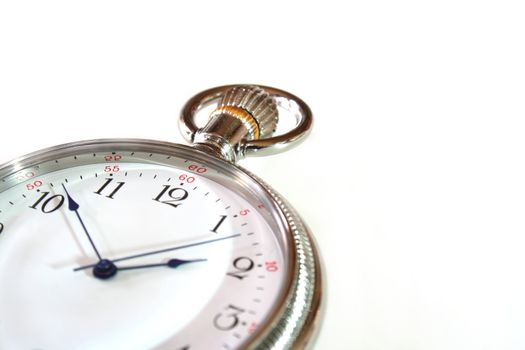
column 173, row 263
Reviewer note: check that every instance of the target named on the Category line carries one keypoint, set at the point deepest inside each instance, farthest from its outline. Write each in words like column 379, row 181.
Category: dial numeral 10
column 1, row 227
column 50, row 204
column 108, row 181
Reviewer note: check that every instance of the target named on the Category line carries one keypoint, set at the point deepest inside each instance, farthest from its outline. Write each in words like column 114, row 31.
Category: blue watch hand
column 105, row 268
column 73, row 206
column 173, row 263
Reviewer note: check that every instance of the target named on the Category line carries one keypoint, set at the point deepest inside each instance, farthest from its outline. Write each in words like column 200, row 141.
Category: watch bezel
column 303, row 264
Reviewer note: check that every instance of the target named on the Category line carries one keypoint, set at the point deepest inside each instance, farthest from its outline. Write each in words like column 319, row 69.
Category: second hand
column 162, row 250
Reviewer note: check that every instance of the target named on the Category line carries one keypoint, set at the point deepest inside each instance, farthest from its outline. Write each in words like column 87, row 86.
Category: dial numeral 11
column 108, row 181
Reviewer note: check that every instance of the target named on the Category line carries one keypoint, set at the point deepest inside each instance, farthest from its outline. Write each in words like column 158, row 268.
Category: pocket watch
column 141, row 244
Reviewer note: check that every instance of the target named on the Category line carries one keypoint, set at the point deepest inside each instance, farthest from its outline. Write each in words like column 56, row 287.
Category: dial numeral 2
column 51, row 204
column 241, row 264
column 108, row 181
column 176, row 194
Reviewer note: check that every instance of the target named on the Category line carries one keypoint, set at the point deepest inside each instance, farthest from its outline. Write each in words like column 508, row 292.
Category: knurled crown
column 259, row 104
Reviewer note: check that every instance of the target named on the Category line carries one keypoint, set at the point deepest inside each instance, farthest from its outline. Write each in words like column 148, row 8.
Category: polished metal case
column 292, row 325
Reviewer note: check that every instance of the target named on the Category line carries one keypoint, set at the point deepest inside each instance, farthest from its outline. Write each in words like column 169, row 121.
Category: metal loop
column 259, row 147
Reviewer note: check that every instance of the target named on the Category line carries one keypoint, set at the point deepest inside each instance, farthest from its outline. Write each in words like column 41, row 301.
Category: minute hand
column 162, row 250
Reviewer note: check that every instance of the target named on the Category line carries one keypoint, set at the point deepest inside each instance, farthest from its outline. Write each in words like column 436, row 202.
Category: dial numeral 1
column 108, row 181
column 49, row 205
column 223, row 217
column 176, row 194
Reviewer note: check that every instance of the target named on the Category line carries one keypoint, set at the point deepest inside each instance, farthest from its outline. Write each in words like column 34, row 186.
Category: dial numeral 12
column 108, row 181
column 176, row 194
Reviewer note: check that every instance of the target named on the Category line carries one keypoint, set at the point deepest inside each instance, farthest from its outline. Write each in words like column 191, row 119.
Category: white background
column 413, row 179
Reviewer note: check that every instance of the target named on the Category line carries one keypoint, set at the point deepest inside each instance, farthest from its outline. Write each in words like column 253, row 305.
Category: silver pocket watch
column 141, row 244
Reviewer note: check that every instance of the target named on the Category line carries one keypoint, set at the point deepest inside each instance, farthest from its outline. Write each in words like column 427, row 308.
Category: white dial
column 114, row 248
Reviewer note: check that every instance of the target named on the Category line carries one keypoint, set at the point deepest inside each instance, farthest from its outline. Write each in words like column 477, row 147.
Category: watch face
column 137, row 245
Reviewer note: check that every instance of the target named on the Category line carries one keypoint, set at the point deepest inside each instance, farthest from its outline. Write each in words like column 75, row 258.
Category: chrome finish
column 293, row 323
column 222, row 134
column 258, row 103
column 249, row 145
column 229, row 135
column 297, row 323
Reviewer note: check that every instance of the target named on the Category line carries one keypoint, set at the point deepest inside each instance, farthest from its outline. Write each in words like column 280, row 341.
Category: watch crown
column 255, row 107
column 244, row 113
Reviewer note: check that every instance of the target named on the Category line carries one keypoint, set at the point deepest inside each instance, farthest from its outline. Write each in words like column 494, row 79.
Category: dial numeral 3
column 229, row 319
